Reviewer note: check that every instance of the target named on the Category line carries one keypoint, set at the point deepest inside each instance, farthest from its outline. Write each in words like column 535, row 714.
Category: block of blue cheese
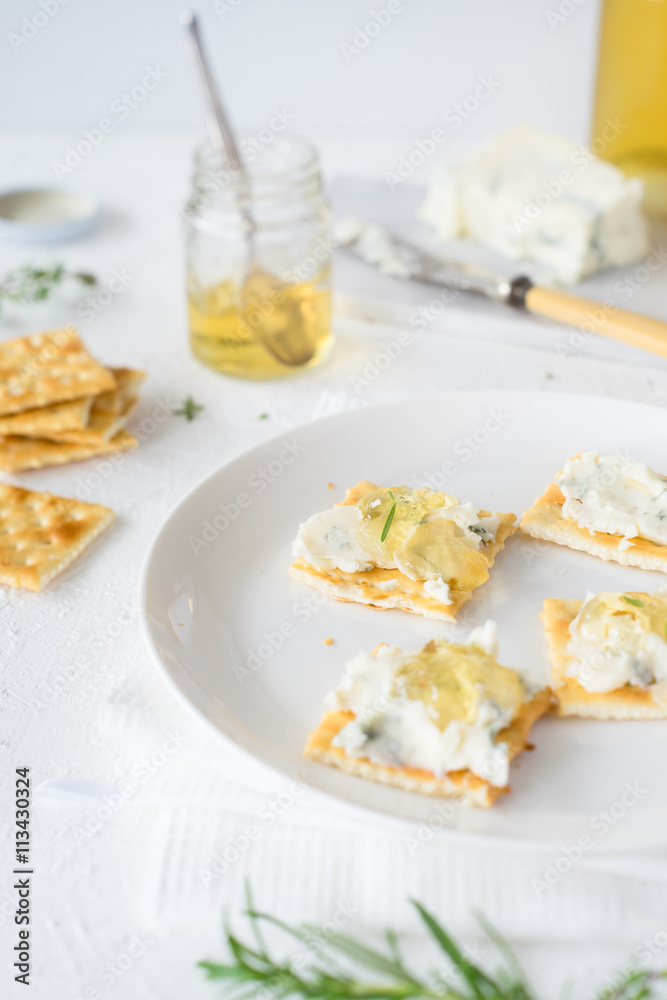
column 539, row 197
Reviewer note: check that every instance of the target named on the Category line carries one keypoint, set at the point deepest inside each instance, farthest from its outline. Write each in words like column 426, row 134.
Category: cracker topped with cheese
column 444, row 720
column 396, row 547
column 611, row 506
column 609, row 655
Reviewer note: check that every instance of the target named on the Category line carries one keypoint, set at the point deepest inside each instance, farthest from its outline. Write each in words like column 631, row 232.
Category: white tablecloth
column 137, row 797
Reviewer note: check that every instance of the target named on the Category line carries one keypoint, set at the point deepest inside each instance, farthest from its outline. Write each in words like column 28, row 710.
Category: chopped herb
column 633, row 600
column 27, row 284
column 263, row 416
column 549, row 375
column 390, row 518
column 189, row 409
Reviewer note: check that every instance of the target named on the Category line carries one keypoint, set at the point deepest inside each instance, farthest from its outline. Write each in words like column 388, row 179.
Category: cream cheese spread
column 373, row 243
column 438, row 589
column 618, row 640
column 616, row 495
column 426, row 535
column 331, row 539
column 439, row 708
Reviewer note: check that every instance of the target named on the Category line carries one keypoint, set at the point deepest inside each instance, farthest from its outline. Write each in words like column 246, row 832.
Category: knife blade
column 396, row 256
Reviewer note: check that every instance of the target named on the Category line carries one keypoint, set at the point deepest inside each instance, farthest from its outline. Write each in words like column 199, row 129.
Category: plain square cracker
column 464, row 784
column 545, row 520
column 40, row 422
column 573, row 699
column 48, row 368
column 41, row 534
column 110, row 411
column 409, row 595
column 17, row 454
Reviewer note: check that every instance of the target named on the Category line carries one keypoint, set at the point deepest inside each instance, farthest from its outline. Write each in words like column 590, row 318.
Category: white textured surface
column 81, row 701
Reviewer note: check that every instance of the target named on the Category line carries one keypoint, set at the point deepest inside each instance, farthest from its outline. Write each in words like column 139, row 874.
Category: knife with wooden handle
column 396, row 256
column 630, row 328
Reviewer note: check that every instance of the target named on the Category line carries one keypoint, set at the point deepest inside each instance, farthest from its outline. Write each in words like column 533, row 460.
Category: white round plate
column 243, row 642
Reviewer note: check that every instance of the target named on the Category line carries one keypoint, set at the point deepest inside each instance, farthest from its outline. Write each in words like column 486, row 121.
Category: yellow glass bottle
column 631, row 97
column 284, row 298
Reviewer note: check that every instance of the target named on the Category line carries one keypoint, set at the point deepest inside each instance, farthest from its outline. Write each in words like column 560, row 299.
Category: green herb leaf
column 263, row 416
column 390, row 518
column 189, row 409
column 27, row 284
column 253, row 969
column 633, row 600
column 476, row 979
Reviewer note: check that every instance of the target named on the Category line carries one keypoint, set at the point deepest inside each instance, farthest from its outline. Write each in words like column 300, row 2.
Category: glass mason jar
column 274, row 317
column 630, row 116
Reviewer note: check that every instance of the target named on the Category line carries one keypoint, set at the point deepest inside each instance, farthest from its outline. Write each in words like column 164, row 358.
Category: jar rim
column 280, row 158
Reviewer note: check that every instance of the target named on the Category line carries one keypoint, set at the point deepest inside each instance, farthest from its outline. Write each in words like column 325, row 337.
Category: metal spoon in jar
column 288, row 343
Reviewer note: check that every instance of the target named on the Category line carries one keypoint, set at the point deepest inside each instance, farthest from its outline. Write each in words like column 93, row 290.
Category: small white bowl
column 44, row 215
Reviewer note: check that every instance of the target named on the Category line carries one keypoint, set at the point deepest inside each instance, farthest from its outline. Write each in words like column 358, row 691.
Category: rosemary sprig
column 390, row 518
column 27, row 284
column 331, row 976
column 189, row 409
column 335, row 973
column 633, row 600
column 634, row 985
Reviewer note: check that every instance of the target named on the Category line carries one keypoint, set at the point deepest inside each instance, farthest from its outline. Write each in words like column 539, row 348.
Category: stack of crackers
column 58, row 404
